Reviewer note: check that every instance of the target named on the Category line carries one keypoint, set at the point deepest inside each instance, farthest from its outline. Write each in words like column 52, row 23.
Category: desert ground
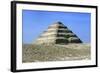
column 55, row 52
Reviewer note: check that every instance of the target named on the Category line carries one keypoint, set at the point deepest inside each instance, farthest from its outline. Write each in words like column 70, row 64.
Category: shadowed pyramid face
column 57, row 33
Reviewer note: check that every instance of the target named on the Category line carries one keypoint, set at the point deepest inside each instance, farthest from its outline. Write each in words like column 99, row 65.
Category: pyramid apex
column 58, row 22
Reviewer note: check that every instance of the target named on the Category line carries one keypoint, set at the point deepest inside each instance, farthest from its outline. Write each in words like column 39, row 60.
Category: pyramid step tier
column 58, row 34
column 58, row 41
column 55, row 32
column 57, row 26
column 55, row 29
column 54, row 38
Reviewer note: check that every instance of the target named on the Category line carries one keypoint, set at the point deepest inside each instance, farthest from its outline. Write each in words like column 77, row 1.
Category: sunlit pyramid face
column 57, row 33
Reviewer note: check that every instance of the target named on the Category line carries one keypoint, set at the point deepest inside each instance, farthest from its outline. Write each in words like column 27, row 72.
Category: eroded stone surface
column 57, row 33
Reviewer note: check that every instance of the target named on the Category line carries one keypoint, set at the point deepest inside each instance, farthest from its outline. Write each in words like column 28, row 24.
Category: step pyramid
column 57, row 33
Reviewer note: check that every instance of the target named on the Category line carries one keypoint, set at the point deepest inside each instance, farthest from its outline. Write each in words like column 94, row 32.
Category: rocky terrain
column 55, row 52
